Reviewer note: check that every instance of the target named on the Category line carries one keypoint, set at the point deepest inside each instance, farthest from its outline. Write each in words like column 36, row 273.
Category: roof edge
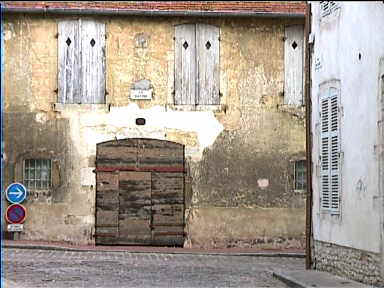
column 124, row 12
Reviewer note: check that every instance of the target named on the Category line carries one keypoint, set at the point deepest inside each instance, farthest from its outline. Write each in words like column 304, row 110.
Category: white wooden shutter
column 69, row 61
column 185, row 64
column 293, row 65
column 328, row 7
column 81, row 61
column 325, row 8
column 92, row 62
column 335, row 149
column 330, row 151
column 324, row 146
column 208, row 54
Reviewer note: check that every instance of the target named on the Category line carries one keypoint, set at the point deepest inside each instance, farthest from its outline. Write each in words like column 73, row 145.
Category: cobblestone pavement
column 26, row 268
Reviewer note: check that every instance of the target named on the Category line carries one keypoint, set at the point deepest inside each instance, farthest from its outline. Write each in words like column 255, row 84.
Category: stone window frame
column 56, row 171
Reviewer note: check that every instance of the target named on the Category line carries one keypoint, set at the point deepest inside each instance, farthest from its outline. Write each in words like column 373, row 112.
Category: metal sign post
column 16, row 213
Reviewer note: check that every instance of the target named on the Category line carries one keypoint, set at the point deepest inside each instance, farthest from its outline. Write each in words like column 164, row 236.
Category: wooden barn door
column 140, row 192
column 135, row 209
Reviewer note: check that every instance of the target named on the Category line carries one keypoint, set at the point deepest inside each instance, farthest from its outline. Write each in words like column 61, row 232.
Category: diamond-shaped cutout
column 294, row 45
column 93, row 42
column 208, row 45
column 185, row 45
column 68, row 41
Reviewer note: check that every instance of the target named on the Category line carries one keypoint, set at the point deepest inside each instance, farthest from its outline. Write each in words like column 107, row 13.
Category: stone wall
column 347, row 262
column 240, row 154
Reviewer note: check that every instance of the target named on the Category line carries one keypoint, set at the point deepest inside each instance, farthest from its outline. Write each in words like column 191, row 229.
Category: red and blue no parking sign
column 16, row 214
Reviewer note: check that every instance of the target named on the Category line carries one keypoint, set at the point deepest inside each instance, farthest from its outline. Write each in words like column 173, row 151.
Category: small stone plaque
column 142, row 90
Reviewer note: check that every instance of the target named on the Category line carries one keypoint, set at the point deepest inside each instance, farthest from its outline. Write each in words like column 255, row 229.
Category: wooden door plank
column 163, row 213
column 115, row 155
column 157, row 155
column 107, row 181
column 167, row 188
column 135, row 207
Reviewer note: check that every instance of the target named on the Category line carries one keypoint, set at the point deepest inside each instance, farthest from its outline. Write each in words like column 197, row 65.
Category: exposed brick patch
column 347, row 262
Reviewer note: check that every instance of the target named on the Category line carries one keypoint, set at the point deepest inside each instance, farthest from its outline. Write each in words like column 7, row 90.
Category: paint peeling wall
column 240, row 154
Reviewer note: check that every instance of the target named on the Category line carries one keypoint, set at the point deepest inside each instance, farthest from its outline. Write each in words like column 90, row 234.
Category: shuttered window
column 330, row 151
column 327, row 7
column 293, row 65
column 197, row 64
column 81, row 45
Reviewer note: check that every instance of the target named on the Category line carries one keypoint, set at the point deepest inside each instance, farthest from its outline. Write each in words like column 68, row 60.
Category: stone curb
column 58, row 248
column 288, row 280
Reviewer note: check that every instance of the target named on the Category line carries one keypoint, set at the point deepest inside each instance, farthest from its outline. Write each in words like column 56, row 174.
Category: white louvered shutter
column 325, row 8
column 330, row 151
column 325, row 181
column 335, row 150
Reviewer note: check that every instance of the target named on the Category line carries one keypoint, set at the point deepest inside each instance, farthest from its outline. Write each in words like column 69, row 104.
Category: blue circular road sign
column 16, row 193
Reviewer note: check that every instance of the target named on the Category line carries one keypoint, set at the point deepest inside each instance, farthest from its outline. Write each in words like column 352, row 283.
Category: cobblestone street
column 26, row 268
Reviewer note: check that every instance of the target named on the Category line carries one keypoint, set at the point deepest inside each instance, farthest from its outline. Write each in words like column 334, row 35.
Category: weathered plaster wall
column 239, row 153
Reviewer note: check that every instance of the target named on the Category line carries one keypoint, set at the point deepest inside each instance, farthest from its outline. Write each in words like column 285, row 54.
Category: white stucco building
column 347, row 92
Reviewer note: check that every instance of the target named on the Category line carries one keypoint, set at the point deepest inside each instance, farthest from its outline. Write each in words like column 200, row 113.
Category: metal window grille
column 300, row 175
column 37, row 173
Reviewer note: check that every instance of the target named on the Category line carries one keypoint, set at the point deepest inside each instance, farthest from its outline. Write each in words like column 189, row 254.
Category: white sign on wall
column 15, row 227
column 139, row 94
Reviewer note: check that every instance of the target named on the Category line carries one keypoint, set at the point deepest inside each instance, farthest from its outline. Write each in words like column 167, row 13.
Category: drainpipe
column 308, row 111
column 122, row 12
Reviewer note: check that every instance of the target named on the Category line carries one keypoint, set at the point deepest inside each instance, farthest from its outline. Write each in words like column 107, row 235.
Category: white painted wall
column 356, row 27
column 92, row 126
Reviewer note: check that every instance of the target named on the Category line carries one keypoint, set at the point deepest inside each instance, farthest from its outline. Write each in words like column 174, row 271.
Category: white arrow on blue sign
column 16, row 193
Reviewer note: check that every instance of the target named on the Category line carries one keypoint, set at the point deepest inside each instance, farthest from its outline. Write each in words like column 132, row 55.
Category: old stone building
column 157, row 122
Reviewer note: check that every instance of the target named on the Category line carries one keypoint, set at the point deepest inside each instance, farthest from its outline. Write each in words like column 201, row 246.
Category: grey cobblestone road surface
column 26, row 268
